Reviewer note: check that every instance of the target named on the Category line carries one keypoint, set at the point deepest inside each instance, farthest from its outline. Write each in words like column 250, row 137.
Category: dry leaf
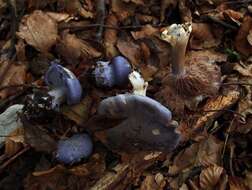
column 39, row 30
column 221, row 102
column 121, row 9
column 203, row 37
column 145, row 32
column 80, row 112
column 165, row 5
column 241, row 41
column 149, row 183
column 11, row 74
column 110, row 36
column 210, row 176
column 14, row 142
column 248, row 179
column 236, row 183
column 209, row 151
column 72, row 49
column 130, row 50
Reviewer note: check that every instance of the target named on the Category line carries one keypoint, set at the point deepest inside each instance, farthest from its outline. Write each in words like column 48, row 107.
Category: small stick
column 4, row 165
column 100, row 17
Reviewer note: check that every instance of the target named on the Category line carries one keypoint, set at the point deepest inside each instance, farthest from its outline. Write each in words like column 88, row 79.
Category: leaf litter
column 215, row 129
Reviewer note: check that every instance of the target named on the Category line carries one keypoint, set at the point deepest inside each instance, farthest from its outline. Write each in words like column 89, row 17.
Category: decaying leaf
column 241, row 40
column 236, row 183
column 72, row 49
column 213, row 108
column 206, row 153
column 150, row 183
column 130, row 50
column 37, row 137
column 80, row 112
column 203, row 37
column 11, row 74
column 210, row 176
column 145, row 32
column 39, row 30
column 110, row 36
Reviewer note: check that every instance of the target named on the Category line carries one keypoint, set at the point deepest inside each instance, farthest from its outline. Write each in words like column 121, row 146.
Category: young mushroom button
column 116, row 73
column 65, row 86
column 145, row 123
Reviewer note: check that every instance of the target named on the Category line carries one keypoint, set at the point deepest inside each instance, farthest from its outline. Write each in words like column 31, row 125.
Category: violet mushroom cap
column 147, row 124
column 64, row 84
column 116, row 73
column 74, row 149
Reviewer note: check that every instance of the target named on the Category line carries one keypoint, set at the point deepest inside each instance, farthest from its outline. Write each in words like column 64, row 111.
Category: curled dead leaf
column 145, row 32
column 241, row 40
column 236, row 183
column 210, row 176
column 130, row 50
column 11, row 74
column 73, row 49
column 39, row 30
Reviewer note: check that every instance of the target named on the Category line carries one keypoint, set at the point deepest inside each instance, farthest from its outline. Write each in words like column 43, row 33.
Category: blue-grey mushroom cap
column 121, row 68
column 114, row 73
column 74, row 149
column 147, row 124
column 62, row 78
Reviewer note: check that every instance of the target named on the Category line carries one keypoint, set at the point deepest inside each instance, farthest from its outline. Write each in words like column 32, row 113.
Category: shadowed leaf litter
column 181, row 120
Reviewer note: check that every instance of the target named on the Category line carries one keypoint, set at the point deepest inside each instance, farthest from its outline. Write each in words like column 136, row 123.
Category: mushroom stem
column 178, row 36
column 178, row 58
column 58, row 95
column 138, row 83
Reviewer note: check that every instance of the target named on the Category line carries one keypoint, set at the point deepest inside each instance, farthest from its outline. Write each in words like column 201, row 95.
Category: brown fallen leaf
column 122, row 10
column 38, row 4
column 11, row 74
column 130, row 50
column 110, row 36
column 149, row 183
column 210, row 176
column 38, row 30
column 236, row 183
column 145, row 32
column 213, row 109
column 241, row 40
column 72, row 49
column 14, row 142
column 203, row 37
column 248, row 179
column 80, row 112
column 74, row 7
column 37, row 137
column 165, row 5
column 126, row 172
column 205, row 153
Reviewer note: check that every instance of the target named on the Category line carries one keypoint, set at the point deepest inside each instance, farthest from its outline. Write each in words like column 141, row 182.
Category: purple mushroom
column 74, row 149
column 146, row 125
column 64, row 84
column 116, row 73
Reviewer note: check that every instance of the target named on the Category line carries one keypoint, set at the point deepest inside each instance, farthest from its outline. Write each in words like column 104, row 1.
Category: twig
column 100, row 17
column 108, row 26
column 22, row 85
column 226, row 139
column 11, row 98
column 236, row 83
column 227, row 110
column 218, row 21
column 4, row 165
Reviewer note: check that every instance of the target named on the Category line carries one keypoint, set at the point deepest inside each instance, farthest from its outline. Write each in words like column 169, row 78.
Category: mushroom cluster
column 188, row 82
column 146, row 125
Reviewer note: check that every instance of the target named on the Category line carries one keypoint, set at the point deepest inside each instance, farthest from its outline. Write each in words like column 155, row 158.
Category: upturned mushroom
column 187, row 81
column 64, row 85
column 147, row 124
column 114, row 73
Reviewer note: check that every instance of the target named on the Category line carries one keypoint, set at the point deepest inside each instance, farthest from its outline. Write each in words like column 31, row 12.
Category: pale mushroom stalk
column 178, row 36
column 58, row 95
column 138, row 83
